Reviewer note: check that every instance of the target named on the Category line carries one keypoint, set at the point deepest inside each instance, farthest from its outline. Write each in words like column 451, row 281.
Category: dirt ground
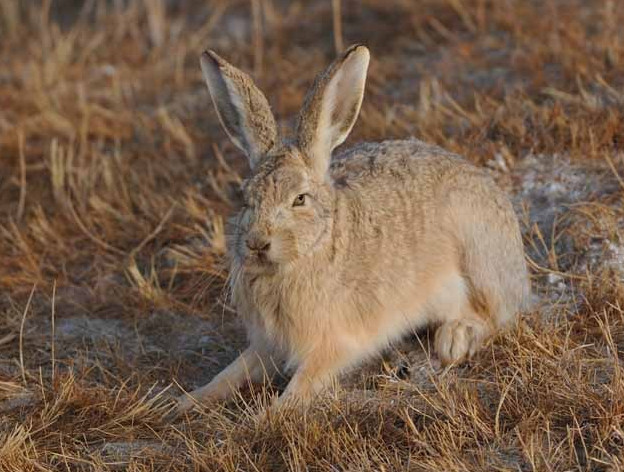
column 116, row 180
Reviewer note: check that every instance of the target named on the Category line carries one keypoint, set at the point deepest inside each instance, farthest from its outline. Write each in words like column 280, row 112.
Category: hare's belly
column 365, row 333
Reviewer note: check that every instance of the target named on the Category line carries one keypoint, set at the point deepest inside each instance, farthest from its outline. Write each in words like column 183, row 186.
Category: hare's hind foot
column 458, row 340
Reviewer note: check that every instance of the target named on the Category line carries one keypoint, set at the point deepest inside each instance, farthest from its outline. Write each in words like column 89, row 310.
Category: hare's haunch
column 333, row 260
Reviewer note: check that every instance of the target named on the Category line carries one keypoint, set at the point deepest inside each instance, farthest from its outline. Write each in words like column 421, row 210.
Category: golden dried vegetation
column 115, row 180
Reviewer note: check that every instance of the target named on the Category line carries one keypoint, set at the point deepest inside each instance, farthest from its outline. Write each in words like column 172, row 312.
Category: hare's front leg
column 253, row 364
column 314, row 374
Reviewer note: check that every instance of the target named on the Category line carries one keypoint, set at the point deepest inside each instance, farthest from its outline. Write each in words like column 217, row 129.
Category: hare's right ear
column 332, row 106
column 242, row 109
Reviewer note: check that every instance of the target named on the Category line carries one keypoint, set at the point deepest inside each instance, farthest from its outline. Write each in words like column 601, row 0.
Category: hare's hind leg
column 253, row 364
column 459, row 339
column 462, row 329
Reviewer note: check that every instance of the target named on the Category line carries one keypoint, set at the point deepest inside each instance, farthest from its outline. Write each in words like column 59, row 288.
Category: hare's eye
column 299, row 200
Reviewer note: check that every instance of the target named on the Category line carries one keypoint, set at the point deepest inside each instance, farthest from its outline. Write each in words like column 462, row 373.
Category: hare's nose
column 257, row 243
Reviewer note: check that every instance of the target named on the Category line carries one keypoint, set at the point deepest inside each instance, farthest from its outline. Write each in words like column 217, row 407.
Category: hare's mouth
column 258, row 263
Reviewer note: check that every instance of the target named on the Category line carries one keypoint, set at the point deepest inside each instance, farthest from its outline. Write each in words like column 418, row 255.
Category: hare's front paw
column 184, row 404
column 458, row 340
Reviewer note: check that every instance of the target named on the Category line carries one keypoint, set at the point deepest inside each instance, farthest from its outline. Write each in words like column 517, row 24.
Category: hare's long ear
column 332, row 106
column 242, row 109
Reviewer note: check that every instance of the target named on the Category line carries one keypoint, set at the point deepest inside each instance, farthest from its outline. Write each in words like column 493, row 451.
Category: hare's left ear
column 242, row 108
column 332, row 106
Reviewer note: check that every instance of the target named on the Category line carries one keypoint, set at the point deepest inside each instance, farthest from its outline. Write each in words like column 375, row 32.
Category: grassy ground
column 115, row 180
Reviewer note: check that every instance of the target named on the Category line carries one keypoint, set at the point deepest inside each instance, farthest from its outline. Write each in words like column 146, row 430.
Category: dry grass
column 115, row 180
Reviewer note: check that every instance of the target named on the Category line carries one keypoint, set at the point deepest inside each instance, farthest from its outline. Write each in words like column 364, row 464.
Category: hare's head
column 289, row 198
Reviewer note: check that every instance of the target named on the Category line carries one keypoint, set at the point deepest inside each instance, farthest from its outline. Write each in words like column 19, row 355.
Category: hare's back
column 397, row 164
column 429, row 196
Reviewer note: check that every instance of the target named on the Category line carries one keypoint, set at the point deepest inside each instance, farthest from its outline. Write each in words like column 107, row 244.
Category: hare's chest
column 281, row 314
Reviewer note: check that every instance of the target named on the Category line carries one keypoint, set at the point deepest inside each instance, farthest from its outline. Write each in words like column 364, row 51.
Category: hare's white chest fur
column 333, row 261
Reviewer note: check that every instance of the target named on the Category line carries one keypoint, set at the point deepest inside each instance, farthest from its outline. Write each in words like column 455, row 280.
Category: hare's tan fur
column 394, row 236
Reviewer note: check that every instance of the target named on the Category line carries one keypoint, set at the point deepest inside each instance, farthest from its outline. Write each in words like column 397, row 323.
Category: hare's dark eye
column 300, row 200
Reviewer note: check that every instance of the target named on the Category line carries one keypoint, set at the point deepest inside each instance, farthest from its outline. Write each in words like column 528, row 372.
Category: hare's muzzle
column 257, row 243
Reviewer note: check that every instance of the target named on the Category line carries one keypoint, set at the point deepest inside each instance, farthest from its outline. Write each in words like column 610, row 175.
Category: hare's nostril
column 257, row 244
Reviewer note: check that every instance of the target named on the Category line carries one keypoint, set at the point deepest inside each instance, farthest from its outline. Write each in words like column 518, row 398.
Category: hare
column 333, row 261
